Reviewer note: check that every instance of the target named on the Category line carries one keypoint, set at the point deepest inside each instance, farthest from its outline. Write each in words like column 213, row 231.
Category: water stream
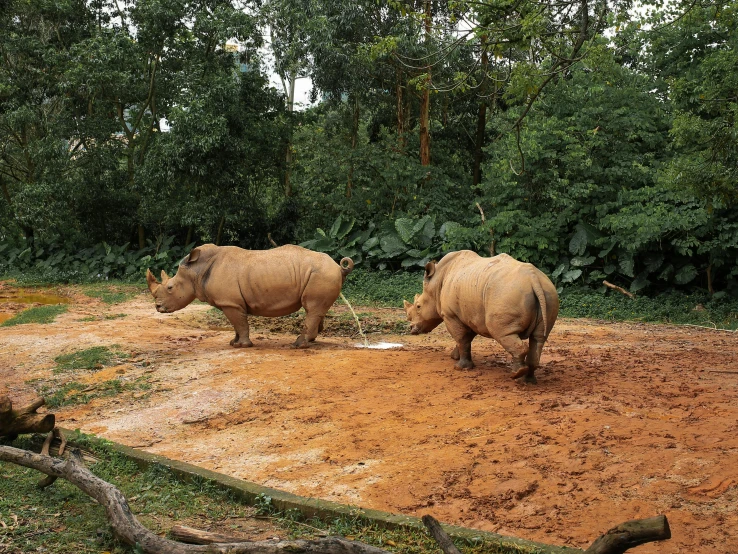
column 380, row 345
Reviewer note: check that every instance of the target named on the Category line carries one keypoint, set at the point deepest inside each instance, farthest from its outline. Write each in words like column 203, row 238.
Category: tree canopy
column 594, row 138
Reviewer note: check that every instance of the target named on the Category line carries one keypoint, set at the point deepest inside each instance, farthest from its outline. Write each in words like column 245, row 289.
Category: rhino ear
column 151, row 280
column 430, row 269
column 164, row 277
column 194, row 255
column 406, row 304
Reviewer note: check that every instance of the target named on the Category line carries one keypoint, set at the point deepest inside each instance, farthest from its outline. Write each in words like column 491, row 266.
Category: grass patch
column 74, row 393
column 674, row 307
column 91, row 358
column 382, row 288
column 111, row 293
column 63, row 520
column 37, row 314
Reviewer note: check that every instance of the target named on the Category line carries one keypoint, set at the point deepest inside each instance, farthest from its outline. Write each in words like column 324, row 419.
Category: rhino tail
column 538, row 289
column 347, row 266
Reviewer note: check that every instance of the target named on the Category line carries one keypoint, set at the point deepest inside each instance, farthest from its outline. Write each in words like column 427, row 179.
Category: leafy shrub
column 56, row 262
column 404, row 242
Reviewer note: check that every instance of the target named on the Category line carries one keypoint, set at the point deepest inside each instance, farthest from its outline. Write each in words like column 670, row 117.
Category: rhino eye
column 418, row 306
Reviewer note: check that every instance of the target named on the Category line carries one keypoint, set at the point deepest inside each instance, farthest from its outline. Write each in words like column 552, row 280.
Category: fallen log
column 23, row 420
column 443, row 540
column 631, row 534
column 129, row 530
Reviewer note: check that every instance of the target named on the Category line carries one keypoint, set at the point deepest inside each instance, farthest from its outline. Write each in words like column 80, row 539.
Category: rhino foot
column 520, row 372
column 531, row 378
column 301, row 342
column 242, row 344
column 464, row 364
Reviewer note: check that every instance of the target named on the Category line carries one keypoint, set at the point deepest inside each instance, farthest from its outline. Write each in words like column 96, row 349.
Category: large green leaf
column 392, row 245
column 578, row 243
column 405, row 229
column 685, row 274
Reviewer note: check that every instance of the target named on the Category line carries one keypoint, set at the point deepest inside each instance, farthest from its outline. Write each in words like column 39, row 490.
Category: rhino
column 241, row 282
column 496, row 297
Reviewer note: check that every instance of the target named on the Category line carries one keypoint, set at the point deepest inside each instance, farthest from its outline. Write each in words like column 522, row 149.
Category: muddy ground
column 627, row 420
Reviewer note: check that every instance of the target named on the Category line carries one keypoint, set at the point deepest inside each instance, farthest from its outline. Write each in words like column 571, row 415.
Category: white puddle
column 379, row 345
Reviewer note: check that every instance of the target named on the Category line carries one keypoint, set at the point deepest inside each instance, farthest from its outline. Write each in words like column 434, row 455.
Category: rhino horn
column 164, row 277
column 151, row 280
column 416, row 298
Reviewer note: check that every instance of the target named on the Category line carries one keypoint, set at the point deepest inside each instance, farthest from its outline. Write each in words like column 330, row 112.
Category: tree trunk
column 401, row 138
column 354, row 141
column 288, row 153
column 141, row 236
column 23, row 420
column 190, row 229
column 220, row 230
column 481, row 119
column 425, row 99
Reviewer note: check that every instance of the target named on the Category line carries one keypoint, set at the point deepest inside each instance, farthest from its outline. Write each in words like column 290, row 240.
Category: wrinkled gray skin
column 497, row 297
column 267, row 283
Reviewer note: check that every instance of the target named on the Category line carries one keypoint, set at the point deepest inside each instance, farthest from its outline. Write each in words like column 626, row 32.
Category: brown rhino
column 497, row 297
column 268, row 283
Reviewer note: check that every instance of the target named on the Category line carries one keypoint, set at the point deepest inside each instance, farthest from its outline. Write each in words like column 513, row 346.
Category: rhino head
column 422, row 314
column 173, row 293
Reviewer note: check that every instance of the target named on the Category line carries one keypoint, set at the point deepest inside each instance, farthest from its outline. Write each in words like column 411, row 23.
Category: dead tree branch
column 621, row 290
column 23, row 420
column 443, row 540
column 128, row 529
column 631, row 534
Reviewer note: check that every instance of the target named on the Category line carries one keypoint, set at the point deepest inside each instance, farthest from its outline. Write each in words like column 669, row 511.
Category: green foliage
column 74, row 393
column 58, row 262
column 37, row 314
column 404, row 242
column 671, row 307
column 382, row 288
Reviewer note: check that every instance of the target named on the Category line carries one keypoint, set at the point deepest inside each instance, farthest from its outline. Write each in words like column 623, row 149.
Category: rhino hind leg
column 455, row 353
column 519, row 351
column 310, row 330
column 240, row 322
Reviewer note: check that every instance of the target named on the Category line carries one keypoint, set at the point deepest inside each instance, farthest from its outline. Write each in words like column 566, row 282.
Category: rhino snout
column 415, row 330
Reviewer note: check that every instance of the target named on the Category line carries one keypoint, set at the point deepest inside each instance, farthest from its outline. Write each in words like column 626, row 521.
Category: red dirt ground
column 627, row 420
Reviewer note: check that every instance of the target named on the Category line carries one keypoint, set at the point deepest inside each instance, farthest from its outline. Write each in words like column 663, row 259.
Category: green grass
column 678, row 308
column 382, row 288
column 63, row 520
column 74, row 393
column 91, row 358
column 37, row 314
column 111, row 293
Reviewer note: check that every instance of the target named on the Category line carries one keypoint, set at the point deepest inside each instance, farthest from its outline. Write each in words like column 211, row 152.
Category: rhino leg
column 309, row 330
column 239, row 320
column 519, row 350
column 455, row 353
column 463, row 337
column 535, row 347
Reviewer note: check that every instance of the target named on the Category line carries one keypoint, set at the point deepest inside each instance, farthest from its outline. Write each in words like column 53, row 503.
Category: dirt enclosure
column 627, row 420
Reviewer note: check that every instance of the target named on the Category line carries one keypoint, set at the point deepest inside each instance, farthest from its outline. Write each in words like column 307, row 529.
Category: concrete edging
column 313, row 507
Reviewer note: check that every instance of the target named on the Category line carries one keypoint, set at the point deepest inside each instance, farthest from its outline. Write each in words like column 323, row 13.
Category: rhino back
column 269, row 282
column 492, row 296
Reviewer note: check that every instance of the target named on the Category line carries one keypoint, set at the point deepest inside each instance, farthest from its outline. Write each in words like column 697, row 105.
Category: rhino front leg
column 239, row 319
column 463, row 337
